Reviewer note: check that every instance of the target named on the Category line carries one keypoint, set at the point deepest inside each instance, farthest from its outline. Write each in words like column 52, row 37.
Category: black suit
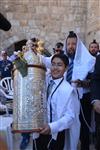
column 95, row 93
column 86, row 110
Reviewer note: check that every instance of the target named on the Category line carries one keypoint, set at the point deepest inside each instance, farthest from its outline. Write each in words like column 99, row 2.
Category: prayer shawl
column 83, row 62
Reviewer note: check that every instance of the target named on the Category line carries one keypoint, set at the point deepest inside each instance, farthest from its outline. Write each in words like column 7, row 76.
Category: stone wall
column 50, row 20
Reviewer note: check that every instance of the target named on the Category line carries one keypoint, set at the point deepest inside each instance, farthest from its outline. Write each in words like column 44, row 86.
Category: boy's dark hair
column 63, row 57
column 72, row 34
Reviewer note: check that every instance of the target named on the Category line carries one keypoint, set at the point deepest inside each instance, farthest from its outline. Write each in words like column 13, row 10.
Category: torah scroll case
column 30, row 96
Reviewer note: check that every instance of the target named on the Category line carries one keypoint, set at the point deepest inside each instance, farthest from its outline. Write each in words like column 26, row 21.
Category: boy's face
column 57, row 68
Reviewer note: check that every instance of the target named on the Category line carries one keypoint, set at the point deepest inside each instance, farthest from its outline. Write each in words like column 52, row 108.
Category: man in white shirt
column 61, row 103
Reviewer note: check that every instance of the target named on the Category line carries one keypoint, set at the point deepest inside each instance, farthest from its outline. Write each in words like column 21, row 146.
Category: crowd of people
column 73, row 79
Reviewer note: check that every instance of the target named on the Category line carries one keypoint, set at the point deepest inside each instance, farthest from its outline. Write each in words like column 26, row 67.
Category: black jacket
column 95, row 85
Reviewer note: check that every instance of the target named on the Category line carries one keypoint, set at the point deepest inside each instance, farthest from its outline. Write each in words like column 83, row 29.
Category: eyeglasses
column 57, row 50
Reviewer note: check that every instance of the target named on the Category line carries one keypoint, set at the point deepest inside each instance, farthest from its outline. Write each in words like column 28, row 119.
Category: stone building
column 49, row 20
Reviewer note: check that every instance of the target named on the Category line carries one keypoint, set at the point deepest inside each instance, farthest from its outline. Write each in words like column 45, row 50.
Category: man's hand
column 96, row 106
column 82, row 83
column 78, row 82
column 45, row 130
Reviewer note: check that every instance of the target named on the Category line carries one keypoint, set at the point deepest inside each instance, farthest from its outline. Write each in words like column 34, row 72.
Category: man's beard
column 93, row 54
column 71, row 55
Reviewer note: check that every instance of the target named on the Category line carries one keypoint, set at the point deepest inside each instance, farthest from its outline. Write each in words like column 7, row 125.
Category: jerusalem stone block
column 50, row 19
column 15, row 23
column 23, row 23
column 10, row 15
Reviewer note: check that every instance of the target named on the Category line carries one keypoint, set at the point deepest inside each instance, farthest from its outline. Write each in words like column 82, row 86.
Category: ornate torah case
column 30, row 96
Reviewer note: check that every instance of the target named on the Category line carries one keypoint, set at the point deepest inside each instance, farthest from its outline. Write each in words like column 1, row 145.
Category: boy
column 61, row 99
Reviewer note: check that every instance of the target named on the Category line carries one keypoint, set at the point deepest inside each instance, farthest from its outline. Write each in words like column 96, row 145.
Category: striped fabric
column 49, row 88
column 70, row 71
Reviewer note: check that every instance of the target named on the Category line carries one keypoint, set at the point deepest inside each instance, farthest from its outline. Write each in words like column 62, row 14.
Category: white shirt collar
column 57, row 81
